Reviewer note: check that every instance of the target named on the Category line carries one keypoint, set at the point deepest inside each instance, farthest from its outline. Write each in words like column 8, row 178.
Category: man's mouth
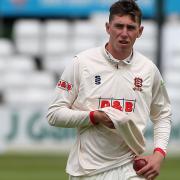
column 123, row 42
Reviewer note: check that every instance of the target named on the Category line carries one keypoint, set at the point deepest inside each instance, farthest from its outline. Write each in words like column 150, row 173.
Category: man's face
column 123, row 32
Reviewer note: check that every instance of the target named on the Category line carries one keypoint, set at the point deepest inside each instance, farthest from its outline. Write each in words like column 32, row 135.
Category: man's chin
column 123, row 46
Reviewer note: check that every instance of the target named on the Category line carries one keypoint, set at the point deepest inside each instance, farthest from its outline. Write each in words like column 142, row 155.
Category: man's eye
column 131, row 27
column 120, row 26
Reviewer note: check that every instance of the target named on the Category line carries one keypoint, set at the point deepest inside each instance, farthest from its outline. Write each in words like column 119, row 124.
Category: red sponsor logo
column 138, row 84
column 64, row 85
column 120, row 104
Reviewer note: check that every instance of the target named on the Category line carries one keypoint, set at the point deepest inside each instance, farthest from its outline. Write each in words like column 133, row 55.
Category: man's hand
column 152, row 169
column 102, row 117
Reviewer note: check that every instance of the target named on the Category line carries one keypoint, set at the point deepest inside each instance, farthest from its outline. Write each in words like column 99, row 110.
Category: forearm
column 65, row 117
column 162, row 130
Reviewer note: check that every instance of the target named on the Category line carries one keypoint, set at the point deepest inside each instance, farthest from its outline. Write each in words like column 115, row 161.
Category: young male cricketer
column 103, row 83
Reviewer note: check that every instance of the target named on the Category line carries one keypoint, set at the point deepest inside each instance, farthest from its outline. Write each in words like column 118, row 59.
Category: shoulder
column 144, row 61
column 86, row 59
column 88, row 54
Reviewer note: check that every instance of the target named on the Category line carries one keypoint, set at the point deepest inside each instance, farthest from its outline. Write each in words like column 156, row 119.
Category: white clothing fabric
column 124, row 172
column 126, row 128
column 93, row 82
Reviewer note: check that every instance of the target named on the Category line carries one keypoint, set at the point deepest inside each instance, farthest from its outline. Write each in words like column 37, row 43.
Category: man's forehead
column 124, row 19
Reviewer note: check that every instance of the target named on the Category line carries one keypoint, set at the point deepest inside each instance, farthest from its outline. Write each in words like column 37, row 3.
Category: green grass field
column 52, row 167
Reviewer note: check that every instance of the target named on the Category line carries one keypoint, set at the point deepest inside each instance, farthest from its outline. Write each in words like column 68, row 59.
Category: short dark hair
column 125, row 7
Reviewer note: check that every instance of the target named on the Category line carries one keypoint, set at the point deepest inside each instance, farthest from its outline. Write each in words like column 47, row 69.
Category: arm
column 60, row 112
column 160, row 113
column 161, row 118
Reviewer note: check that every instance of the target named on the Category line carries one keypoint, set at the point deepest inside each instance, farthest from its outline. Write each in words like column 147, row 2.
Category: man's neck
column 120, row 54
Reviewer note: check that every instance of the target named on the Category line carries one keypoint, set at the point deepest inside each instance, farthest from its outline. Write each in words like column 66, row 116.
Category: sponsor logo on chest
column 124, row 105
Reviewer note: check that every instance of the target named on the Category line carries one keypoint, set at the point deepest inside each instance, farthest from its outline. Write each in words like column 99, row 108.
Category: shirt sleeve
column 60, row 112
column 160, row 112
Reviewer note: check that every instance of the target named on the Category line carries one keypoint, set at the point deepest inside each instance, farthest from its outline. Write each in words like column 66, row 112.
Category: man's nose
column 124, row 32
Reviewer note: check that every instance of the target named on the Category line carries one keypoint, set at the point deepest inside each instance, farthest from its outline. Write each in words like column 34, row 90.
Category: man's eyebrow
column 132, row 25
column 122, row 24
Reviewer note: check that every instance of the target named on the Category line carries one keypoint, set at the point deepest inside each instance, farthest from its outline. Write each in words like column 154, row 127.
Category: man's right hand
column 103, row 118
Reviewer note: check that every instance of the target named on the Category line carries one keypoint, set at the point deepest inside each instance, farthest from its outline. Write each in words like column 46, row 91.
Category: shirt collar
column 113, row 60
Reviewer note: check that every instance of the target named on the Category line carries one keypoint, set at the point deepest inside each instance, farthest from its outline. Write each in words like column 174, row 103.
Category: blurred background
column 38, row 38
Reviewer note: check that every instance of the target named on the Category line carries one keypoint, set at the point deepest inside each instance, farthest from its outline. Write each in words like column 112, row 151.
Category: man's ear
column 140, row 31
column 107, row 27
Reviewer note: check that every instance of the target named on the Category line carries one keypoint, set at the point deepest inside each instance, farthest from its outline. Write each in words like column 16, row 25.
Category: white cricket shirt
column 95, row 80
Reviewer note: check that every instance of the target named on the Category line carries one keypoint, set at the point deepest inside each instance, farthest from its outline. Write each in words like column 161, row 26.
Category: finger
column 143, row 170
column 110, row 125
column 152, row 176
column 147, row 174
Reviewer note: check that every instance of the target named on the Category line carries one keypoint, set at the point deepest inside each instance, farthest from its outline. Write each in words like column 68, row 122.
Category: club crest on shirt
column 138, row 84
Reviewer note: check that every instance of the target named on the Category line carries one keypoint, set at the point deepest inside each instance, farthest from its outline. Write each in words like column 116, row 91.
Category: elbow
column 50, row 122
column 54, row 120
column 50, row 119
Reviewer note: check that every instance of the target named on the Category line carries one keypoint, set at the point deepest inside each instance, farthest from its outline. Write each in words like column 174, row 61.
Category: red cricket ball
column 138, row 164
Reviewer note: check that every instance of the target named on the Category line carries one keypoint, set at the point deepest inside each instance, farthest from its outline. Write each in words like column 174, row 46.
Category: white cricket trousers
column 124, row 172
